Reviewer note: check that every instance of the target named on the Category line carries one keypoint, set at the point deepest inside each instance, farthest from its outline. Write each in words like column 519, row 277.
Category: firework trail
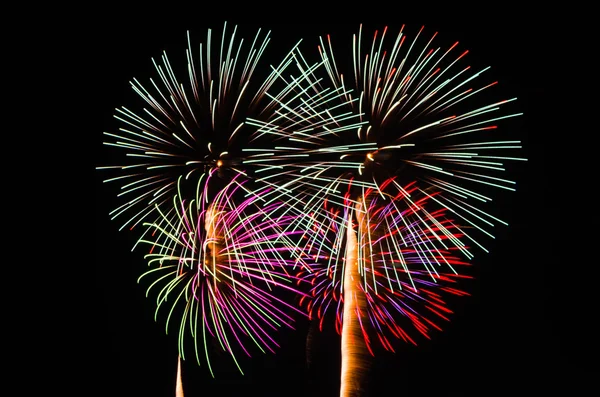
column 353, row 356
column 409, row 148
column 179, row 384
column 221, row 270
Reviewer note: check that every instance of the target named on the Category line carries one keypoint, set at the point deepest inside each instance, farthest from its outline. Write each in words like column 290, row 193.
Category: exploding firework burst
column 413, row 112
column 392, row 165
column 192, row 122
column 218, row 259
column 222, row 267
column 406, row 260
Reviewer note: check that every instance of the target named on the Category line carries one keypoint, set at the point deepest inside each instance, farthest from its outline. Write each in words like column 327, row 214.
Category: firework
column 191, row 121
column 375, row 179
column 394, row 166
column 414, row 112
column 406, row 258
column 385, row 267
column 218, row 270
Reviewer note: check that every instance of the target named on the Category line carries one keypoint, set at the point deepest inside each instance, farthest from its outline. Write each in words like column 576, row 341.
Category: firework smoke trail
column 179, row 384
column 354, row 353
column 218, row 269
column 191, row 122
column 412, row 117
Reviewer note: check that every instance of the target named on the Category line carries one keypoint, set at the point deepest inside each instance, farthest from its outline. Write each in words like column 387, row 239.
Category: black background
column 507, row 337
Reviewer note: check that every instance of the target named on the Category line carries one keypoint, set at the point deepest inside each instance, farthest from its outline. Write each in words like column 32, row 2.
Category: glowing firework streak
column 179, row 384
column 354, row 351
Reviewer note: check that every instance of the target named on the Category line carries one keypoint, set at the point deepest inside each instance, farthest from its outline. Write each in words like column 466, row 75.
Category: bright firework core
column 376, row 166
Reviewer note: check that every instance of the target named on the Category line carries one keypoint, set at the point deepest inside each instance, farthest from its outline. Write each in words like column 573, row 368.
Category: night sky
column 506, row 337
